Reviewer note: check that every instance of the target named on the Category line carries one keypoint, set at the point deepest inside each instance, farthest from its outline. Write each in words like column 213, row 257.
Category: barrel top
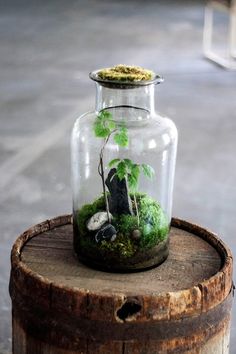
column 196, row 277
column 195, row 256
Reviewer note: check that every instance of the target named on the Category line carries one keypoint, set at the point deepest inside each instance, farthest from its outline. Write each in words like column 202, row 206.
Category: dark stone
column 107, row 233
column 119, row 200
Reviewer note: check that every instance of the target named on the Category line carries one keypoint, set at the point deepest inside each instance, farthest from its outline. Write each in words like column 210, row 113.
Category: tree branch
column 101, row 173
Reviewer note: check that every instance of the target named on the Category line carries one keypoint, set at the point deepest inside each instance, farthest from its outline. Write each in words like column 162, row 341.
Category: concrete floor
column 47, row 49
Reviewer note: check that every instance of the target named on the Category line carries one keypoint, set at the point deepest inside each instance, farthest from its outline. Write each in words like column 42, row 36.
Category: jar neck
column 139, row 98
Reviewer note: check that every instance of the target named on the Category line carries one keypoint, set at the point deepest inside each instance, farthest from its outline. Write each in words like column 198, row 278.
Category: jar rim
column 157, row 79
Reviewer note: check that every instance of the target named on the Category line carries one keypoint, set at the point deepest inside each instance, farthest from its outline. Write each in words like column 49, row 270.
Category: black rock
column 119, row 200
column 107, row 232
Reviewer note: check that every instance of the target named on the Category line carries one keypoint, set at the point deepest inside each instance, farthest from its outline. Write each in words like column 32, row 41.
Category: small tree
column 126, row 168
column 105, row 127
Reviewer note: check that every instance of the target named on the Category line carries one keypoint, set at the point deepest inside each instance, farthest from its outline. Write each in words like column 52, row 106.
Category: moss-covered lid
column 125, row 76
column 126, row 73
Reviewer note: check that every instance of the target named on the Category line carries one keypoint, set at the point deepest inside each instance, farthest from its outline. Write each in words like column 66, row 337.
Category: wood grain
column 191, row 260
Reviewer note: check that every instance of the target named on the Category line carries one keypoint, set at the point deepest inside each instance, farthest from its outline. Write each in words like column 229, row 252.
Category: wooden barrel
column 62, row 307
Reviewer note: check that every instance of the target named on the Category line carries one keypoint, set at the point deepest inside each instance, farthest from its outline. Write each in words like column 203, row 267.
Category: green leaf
column 103, row 124
column 135, row 171
column 113, row 162
column 148, row 171
column 132, row 182
column 121, row 170
column 121, row 137
column 111, row 125
column 105, row 115
column 128, row 163
column 100, row 130
column 133, row 177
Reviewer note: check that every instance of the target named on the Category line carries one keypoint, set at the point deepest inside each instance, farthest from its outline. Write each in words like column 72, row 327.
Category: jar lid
column 125, row 77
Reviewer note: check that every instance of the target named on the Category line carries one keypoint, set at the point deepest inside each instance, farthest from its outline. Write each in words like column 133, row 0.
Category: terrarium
column 123, row 164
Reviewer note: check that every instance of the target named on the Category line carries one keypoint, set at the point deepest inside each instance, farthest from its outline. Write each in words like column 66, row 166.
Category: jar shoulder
column 85, row 119
column 156, row 121
column 159, row 130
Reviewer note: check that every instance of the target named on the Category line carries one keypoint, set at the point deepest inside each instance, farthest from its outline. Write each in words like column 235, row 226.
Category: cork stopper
column 125, row 77
column 128, row 73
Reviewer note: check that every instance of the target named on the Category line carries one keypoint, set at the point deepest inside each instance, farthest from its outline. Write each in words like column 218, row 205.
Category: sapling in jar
column 123, row 164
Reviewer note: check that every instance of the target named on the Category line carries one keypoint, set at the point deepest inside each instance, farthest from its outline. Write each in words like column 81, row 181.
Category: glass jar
column 123, row 164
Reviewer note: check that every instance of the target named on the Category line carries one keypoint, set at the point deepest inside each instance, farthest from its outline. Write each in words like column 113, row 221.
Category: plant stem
column 136, row 207
column 101, row 173
column 104, row 189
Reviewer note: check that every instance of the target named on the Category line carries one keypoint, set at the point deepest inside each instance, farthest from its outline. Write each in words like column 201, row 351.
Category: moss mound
column 153, row 222
column 153, row 227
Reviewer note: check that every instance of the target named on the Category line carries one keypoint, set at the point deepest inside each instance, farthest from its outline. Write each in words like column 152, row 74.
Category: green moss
column 153, row 226
column 153, row 222
column 126, row 73
column 127, row 223
column 122, row 245
column 99, row 203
